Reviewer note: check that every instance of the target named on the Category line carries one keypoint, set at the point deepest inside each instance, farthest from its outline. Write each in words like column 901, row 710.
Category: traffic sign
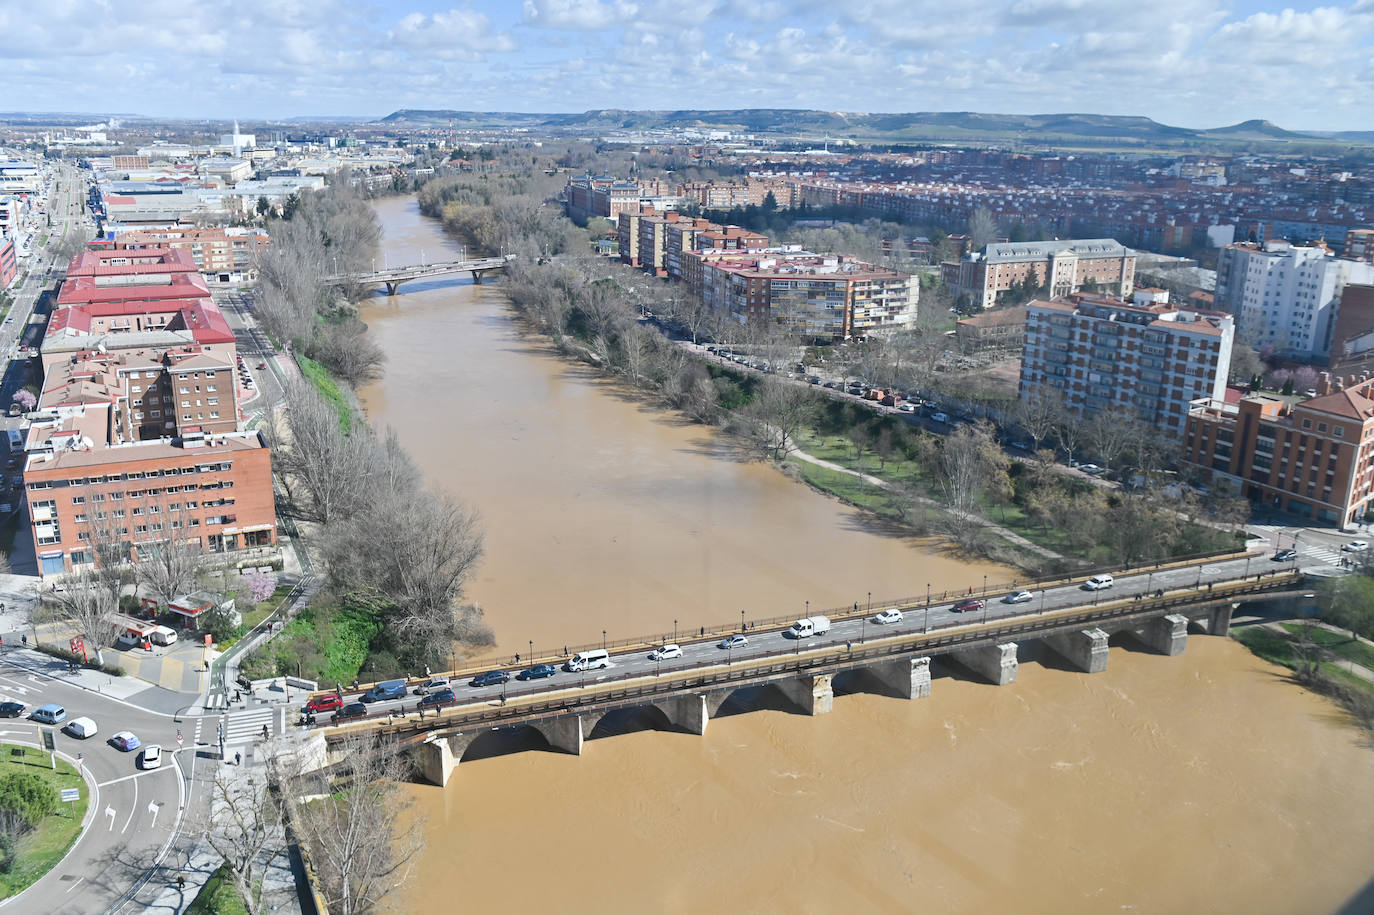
column 70, row 794
column 180, row 739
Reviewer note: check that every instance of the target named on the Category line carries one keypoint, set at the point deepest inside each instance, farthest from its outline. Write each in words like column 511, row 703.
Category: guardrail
column 820, row 657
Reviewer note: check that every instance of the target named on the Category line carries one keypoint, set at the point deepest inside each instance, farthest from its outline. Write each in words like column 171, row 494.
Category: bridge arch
column 498, row 742
column 628, row 720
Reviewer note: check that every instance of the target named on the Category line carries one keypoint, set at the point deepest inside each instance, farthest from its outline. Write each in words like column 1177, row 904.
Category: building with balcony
column 1313, row 458
column 1285, row 296
column 1110, row 359
column 212, row 251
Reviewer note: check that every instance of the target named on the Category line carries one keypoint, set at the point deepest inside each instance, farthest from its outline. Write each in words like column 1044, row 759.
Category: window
column 80, row 519
column 78, row 500
column 185, row 389
column 135, row 388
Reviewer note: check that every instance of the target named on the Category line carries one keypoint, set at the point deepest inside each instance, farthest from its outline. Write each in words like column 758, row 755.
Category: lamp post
column 1149, row 583
column 926, row 627
column 985, row 589
column 863, row 627
column 741, row 621
column 530, row 657
column 1042, row 599
column 1199, row 578
column 870, row 600
column 603, row 639
column 674, row 631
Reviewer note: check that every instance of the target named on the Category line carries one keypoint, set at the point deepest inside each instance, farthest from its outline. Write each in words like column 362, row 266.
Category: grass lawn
column 1339, row 644
column 1282, row 650
column 41, row 849
column 329, row 389
column 845, row 486
column 218, row 897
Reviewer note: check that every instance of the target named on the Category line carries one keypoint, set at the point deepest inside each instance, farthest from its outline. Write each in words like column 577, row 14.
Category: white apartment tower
column 1284, row 295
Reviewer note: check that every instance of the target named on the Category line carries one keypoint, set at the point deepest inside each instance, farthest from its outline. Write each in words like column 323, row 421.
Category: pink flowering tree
column 261, row 586
column 25, row 399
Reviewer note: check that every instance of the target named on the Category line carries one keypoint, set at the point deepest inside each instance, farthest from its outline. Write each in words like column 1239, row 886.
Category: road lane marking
column 125, row 778
column 110, row 812
column 74, row 884
column 153, row 808
column 133, row 808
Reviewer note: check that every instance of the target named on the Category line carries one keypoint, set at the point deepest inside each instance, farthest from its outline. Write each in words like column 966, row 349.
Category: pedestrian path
column 246, row 726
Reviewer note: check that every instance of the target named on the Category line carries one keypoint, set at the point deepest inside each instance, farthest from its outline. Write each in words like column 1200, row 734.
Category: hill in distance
column 928, row 125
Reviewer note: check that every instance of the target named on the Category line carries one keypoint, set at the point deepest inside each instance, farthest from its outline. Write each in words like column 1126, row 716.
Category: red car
column 967, row 605
column 326, row 703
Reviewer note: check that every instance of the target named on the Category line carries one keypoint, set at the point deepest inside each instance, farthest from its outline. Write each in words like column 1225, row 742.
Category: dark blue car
column 353, row 710
column 490, row 678
column 537, row 672
column 440, row 697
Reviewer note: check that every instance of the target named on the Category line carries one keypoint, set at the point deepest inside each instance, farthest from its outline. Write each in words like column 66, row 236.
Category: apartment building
column 82, row 485
column 1285, row 295
column 1062, row 267
column 1313, row 458
column 813, row 296
column 1111, row 359
column 141, row 287
column 1359, row 245
column 9, row 264
column 212, row 250
column 600, row 195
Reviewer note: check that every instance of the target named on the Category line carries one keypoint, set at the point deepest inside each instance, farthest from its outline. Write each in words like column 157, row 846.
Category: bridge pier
column 908, row 677
column 813, row 694
column 391, row 288
column 1220, row 621
column 1085, row 649
column 564, row 733
column 436, row 762
column 1167, row 635
column 476, row 277
column 686, row 713
column 997, row 663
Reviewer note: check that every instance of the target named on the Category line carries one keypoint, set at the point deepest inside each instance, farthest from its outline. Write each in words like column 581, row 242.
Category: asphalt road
column 703, row 653
column 135, row 812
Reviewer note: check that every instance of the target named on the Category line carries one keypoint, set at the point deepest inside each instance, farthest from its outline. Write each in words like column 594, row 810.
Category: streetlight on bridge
column 926, row 627
column 603, row 639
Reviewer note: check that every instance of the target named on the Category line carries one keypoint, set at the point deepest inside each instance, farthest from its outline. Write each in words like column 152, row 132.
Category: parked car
column 967, row 605
column 814, row 379
column 11, row 709
column 126, row 741
column 906, row 408
column 352, row 710
column 438, row 697
column 733, row 641
column 665, row 653
column 328, row 702
column 940, row 417
column 432, row 685
column 888, row 616
column 1018, row 597
column 1020, row 446
column 151, row 757
column 490, row 678
column 1090, row 468
column 1356, row 546
column 49, row 714
column 1286, row 555
column 537, row 672
column 1098, row 582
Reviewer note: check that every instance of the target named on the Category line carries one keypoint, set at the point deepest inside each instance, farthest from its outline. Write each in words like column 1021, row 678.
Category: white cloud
column 461, row 33
column 577, row 14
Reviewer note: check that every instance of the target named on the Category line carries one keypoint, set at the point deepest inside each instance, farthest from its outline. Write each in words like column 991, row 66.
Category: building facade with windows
column 1284, row 295
column 1313, row 458
column 1063, row 267
column 1111, row 359
column 210, row 491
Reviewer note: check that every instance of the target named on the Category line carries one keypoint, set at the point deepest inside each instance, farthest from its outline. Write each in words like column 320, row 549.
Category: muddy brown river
column 1197, row 783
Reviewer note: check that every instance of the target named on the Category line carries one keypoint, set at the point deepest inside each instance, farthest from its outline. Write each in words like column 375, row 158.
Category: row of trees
column 329, row 233
column 394, row 545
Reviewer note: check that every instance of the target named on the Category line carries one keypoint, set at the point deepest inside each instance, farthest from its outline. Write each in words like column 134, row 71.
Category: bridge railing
column 816, row 656
column 994, row 591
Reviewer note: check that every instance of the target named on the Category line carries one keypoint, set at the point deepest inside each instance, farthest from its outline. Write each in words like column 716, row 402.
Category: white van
column 162, row 635
column 81, row 728
column 811, row 625
column 596, row 659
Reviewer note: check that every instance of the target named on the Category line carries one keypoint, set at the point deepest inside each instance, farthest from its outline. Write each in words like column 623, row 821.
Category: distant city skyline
column 1189, row 63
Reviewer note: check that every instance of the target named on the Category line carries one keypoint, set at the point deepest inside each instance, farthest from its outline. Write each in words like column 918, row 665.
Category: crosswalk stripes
column 241, row 727
column 1321, row 553
column 195, row 736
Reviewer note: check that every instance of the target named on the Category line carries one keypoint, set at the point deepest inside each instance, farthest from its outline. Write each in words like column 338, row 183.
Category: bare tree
column 245, row 821
column 1039, row 412
column 971, row 466
column 167, row 566
column 346, row 349
column 87, row 603
column 353, row 830
column 777, row 413
column 1070, row 432
column 982, row 228
column 1110, row 437
column 330, row 464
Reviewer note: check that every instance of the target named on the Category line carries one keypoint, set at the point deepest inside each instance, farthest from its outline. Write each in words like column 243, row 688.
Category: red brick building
column 1313, row 458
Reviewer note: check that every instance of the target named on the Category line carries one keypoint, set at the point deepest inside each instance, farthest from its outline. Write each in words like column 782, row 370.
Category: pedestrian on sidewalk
column 238, row 759
column 265, row 732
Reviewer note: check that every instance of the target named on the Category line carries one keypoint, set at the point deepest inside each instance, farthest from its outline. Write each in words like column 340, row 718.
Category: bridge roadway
column 1075, row 623
column 392, row 277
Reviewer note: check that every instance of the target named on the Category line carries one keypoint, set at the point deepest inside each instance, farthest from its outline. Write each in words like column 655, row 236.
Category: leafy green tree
column 1348, row 602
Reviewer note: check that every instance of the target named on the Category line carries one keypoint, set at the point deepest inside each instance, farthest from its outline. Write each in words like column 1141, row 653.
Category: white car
column 151, row 757
column 665, row 653
column 1090, row 468
column 888, row 616
column 1356, row 546
column 1098, row 582
column 1018, row 597
column 940, row 417
column 81, row 728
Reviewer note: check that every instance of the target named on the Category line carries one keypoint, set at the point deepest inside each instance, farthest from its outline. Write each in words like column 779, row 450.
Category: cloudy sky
column 1195, row 63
